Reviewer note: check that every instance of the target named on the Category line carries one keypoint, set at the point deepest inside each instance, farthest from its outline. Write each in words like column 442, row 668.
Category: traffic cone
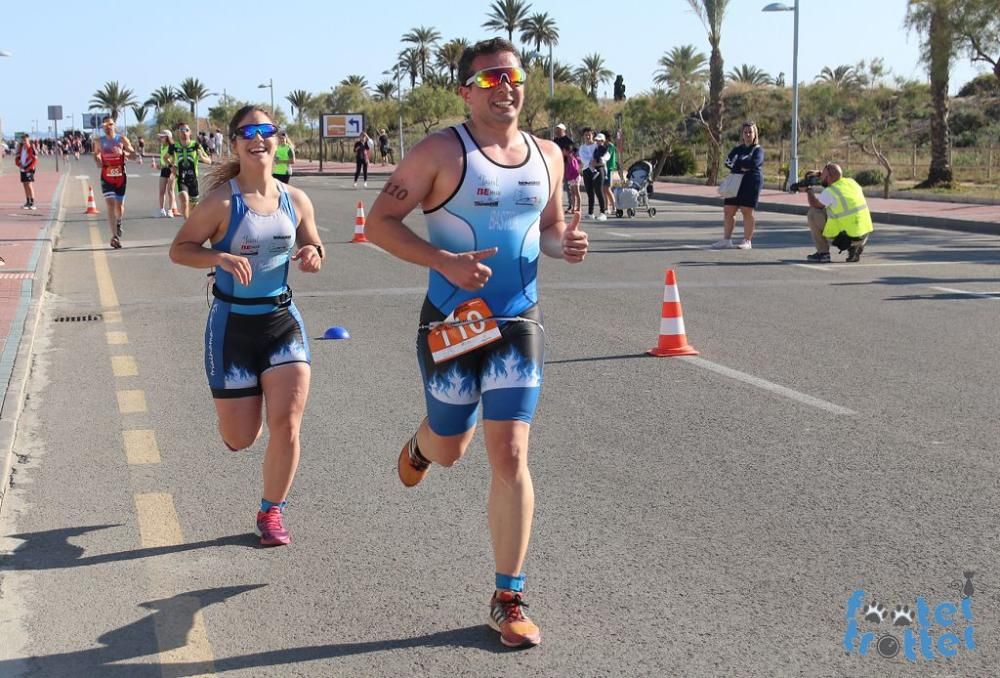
column 673, row 340
column 359, row 224
column 91, row 205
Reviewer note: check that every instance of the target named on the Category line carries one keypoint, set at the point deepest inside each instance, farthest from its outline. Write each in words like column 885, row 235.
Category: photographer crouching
column 838, row 215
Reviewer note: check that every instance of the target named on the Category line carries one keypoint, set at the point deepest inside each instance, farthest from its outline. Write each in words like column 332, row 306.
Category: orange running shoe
column 412, row 466
column 507, row 617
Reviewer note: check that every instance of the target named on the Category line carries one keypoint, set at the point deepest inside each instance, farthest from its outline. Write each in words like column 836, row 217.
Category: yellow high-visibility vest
column 850, row 212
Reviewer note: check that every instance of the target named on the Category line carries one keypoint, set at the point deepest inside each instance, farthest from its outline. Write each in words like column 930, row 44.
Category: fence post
column 913, row 163
column 989, row 164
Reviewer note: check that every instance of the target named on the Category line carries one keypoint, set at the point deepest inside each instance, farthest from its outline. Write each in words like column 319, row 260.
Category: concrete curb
column 891, row 218
column 14, row 396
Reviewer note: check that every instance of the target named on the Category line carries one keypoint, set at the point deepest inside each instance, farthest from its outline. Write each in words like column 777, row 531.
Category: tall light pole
column 552, row 92
column 399, row 100
column 793, row 163
column 270, row 85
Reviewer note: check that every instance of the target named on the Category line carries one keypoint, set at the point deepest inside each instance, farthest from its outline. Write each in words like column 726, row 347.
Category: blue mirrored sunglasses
column 265, row 129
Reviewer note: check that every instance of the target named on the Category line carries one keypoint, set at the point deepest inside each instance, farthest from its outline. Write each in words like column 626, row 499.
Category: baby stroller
column 634, row 195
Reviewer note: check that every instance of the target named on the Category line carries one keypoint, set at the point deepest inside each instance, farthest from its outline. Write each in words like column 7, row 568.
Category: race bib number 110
column 467, row 328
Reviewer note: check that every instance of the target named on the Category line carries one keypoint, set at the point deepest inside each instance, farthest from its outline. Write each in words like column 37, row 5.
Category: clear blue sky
column 313, row 45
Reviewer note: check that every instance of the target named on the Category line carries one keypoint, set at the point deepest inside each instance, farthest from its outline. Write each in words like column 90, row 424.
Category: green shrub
column 680, row 161
column 869, row 177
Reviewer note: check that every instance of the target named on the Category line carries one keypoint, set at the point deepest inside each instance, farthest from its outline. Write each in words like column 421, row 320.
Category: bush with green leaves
column 679, row 162
column 869, row 177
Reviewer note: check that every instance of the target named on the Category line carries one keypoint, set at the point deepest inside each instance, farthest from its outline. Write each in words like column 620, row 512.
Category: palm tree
column 140, row 113
column 409, row 62
column 300, row 100
column 540, row 29
column 449, row 54
column 358, row 81
column 112, row 98
column 561, row 72
column 164, row 96
column 592, row 73
column 841, row 77
column 683, row 71
column 749, row 75
column 423, row 38
column 712, row 13
column 935, row 20
column 507, row 15
column 385, row 90
column 192, row 91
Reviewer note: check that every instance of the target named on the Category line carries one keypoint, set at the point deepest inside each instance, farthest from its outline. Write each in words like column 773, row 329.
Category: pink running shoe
column 271, row 529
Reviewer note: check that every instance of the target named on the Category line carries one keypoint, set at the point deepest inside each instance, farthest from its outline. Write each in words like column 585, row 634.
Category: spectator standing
column 26, row 159
column 362, row 152
column 746, row 159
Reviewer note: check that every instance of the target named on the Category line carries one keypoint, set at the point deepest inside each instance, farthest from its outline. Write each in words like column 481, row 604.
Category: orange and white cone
column 359, row 224
column 91, row 205
column 673, row 340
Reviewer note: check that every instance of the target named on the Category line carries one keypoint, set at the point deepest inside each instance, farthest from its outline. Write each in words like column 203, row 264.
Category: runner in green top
column 183, row 156
column 284, row 158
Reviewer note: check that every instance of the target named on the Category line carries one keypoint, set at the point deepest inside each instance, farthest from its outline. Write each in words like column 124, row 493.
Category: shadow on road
column 170, row 624
column 51, row 550
column 597, row 358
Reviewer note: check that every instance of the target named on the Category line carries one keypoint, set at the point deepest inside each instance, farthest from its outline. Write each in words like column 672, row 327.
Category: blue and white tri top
column 267, row 241
column 494, row 206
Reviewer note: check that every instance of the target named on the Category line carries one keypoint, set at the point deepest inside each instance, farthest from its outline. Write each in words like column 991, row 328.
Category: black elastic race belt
column 281, row 300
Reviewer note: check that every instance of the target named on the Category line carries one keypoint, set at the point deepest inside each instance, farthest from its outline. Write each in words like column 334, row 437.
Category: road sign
column 55, row 113
column 94, row 121
column 343, row 124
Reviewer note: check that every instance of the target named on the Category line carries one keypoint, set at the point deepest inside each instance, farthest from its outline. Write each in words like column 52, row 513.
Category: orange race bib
column 467, row 328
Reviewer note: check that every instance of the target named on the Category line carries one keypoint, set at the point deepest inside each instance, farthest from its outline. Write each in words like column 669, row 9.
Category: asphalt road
column 705, row 517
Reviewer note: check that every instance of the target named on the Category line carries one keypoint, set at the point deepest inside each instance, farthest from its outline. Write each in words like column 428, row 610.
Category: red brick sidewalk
column 930, row 213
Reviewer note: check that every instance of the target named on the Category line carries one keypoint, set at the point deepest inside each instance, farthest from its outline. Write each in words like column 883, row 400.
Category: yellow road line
column 105, row 285
column 141, row 447
column 180, row 630
column 124, row 366
column 117, row 338
column 130, row 402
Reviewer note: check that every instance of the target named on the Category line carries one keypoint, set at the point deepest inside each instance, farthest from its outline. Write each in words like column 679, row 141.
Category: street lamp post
column 552, row 92
column 270, row 85
column 399, row 100
column 793, row 163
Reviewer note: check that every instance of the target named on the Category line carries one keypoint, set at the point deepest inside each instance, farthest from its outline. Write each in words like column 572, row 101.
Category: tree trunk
column 716, row 83
column 940, row 38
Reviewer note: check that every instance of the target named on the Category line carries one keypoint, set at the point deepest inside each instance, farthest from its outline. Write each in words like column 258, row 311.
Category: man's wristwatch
column 319, row 249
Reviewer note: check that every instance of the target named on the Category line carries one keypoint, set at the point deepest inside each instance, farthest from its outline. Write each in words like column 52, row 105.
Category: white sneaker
column 745, row 245
column 587, row 217
column 355, row 184
column 163, row 212
column 602, row 217
column 170, row 214
column 366, row 184
column 723, row 244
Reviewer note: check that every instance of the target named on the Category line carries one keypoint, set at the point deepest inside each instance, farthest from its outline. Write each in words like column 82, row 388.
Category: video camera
column 811, row 178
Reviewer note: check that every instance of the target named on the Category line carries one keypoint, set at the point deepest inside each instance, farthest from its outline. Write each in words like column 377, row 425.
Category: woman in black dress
column 746, row 159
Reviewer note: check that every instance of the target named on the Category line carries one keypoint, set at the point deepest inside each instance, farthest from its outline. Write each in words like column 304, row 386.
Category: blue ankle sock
column 266, row 505
column 510, row 583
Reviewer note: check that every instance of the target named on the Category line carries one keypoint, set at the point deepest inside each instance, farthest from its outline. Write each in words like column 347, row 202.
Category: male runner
column 490, row 194
column 110, row 155
column 183, row 156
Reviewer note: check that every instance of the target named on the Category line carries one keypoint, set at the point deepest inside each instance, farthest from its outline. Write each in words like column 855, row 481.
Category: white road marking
column 620, row 235
column 979, row 295
column 768, row 386
column 324, row 229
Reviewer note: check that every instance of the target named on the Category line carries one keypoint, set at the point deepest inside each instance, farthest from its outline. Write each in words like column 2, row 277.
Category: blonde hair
column 231, row 168
column 753, row 126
